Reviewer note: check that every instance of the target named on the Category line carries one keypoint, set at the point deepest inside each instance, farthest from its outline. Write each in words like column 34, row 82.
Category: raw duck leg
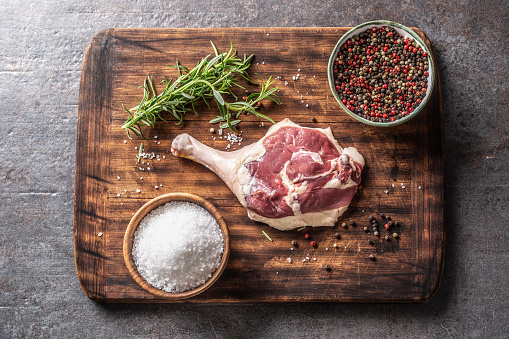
column 294, row 176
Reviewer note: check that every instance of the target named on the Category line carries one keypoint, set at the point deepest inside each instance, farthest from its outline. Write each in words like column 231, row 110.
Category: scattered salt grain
column 100, row 234
column 125, row 141
column 267, row 34
column 403, row 186
column 177, row 246
column 298, row 70
column 155, row 136
column 289, row 259
column 118, row 177
column 141, row 178
column 307, row 105
column 392, row 185
column 138, row 190
column 118, row 194
column 164, row 156
column 420, row 187
column 286, row 83
column 303, row 260
column 263, row 63
column 156, row 186
column 326, row 248
column 291, row 248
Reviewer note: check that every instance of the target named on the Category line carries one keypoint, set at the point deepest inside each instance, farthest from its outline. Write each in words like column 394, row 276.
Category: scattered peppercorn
column 372, row 257
column 294, row 243
column 387, row 226
column 313, row 243
column 391, row 223
column 335, row 245
column 327, row 267
column 338, row 236
column 371, row 218
column 386, row 237
column 376, row 233
column 366, row 229
column 313, row 119
column 352, row 222
column 381, row 76
column 343, row 225
column 371, row 242
column 306, row 235
column 396, row 223
column 395, row 235
column 373, row 221
column 382, row 215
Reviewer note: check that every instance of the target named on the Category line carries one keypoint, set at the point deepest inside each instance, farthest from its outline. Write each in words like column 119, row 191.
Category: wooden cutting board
column 406, row 269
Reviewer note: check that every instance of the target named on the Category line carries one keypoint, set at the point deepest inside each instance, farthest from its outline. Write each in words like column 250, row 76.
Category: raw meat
column 294, row 176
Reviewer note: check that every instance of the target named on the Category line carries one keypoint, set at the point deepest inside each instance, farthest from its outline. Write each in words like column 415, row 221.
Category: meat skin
column 294, row 176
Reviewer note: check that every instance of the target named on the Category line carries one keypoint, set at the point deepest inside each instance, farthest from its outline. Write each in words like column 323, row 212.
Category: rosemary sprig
column 210, row 79
column 140, row 151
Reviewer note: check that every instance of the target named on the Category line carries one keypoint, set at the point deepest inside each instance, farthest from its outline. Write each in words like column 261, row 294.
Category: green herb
column 210, row 79
column 265, row 234
column 300, row 229
column 139, row 152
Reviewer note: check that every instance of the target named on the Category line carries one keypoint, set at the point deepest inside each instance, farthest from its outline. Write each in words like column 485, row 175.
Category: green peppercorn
column 343, row 225
column 395, row 235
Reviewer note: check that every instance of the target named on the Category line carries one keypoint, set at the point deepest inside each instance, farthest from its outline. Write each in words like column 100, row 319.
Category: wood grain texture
column 407, row 269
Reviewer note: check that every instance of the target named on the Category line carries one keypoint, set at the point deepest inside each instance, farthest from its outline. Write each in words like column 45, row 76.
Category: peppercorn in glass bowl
column 381, row 73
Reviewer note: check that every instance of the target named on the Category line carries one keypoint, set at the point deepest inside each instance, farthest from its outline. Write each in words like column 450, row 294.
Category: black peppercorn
column 372, row 257
column 327, row 267
column 338, row 236
column 294, row 243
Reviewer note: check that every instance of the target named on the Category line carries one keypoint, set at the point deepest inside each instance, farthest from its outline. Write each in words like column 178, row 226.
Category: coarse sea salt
column 177, row 246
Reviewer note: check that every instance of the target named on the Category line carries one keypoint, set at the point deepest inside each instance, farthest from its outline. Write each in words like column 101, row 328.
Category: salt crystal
column 392, row 185
column 148, row 168
column 155, row 136
column 141, row 178
column 118, row 177
column 298, row 70
column 121, row 203
column 263, row 63
column 303, row 260
column 326, row 248
column 420, row 187
column 314, row 259
column 118, row 194
column 291, row 248
column 135, row 147
column 164, row 156
column 100, row 234
column 402, row 186
column 267, row 34
column 289, row 259
column 177, row 246
column 138, row 190
column 156, row 186
column 125, row 141
column 286, row 83
column 307, row 105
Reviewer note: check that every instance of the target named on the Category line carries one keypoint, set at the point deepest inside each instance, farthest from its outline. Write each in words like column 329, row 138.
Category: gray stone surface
column 42, row 45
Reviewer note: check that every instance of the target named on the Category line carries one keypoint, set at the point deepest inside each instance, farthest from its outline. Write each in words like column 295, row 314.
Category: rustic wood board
column 406, row 270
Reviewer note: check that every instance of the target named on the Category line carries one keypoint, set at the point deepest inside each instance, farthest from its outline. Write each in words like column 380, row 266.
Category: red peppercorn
column 386, row 49
column 386, row 116
column 387, row 226
column 306, row 235
column 424, row 54
column 313, row 243
column 393, row 118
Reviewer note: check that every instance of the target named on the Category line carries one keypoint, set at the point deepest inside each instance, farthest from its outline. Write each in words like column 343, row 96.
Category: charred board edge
column 90, row 184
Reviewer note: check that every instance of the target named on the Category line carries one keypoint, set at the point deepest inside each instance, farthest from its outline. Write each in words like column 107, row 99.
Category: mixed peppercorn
column 380, row 75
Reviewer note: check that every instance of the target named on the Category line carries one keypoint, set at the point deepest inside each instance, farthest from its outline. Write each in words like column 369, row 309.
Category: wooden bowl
column 142, row 212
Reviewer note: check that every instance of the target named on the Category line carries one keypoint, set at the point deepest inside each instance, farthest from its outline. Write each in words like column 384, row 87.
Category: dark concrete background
column 41, row 51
